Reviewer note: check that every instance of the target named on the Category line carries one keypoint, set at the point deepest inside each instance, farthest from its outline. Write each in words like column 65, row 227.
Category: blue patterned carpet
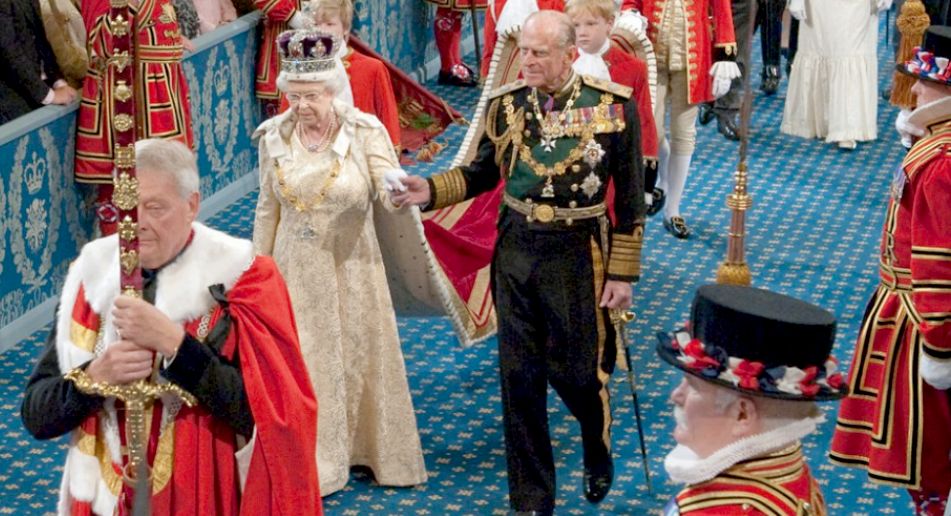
column 812, row 233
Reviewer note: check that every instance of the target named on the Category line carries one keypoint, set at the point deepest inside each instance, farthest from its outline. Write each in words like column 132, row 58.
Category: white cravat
column 593, row 64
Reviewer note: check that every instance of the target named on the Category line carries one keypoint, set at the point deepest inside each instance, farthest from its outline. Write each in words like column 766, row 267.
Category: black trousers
column 546, row 285
column 769, row 16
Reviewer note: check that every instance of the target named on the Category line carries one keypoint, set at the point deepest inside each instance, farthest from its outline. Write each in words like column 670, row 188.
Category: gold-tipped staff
column 734, row 270
column 138, row 397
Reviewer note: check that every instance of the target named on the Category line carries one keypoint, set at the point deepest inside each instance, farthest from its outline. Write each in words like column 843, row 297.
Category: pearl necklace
column 324, row 140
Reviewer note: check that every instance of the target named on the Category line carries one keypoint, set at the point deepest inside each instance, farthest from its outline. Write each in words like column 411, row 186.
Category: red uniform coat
column 893, row 423
column 277, row 14
column 778, row 484
column 373, row 91
column 630, row 71
column 162, row 109
column 710, row 38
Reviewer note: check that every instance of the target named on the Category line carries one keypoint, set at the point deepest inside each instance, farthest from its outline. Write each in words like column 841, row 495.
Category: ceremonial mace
column 620, row 319
column 137, row 396
column 734, row 270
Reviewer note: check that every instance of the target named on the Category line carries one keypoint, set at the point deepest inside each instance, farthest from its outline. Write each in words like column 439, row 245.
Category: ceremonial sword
column 620, row 318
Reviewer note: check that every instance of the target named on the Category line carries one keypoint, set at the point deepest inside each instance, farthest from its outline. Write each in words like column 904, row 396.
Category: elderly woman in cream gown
column 323, row 167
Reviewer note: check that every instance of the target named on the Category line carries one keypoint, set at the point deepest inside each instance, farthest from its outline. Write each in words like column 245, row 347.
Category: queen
column 323, row 166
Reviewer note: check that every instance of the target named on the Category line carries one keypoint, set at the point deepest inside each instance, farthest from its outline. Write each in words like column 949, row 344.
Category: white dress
column 330, row 257
column 833, row 87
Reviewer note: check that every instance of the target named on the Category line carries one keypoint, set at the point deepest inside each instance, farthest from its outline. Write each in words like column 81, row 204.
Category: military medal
column 591, row 185
column 593, row 153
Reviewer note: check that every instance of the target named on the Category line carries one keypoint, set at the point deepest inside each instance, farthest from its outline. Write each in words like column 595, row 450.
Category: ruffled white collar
column 685, row 467
column 926, row 116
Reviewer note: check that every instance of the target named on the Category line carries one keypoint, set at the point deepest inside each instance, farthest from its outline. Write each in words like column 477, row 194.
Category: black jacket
column 25, row 55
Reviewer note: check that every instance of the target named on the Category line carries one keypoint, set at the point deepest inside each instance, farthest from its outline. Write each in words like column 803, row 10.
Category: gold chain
column 295, row 201
column 552, row 127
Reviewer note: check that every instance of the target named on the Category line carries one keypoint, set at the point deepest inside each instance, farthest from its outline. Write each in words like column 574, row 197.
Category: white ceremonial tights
column 676, row 178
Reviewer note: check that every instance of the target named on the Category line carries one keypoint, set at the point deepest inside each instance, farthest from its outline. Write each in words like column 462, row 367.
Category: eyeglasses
column 310, row 98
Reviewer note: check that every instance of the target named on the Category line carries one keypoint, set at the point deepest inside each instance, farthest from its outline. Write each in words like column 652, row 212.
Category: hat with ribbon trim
column 759, row 343
column 931, row 59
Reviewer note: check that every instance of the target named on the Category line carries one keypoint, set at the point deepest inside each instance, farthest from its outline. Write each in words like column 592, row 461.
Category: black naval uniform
column 551, row 261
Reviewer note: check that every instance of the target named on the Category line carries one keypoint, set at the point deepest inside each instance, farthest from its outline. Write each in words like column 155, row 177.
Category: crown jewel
column 307, row 51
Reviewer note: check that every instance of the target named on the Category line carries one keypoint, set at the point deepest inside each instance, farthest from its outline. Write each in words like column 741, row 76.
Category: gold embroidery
column 448, row 188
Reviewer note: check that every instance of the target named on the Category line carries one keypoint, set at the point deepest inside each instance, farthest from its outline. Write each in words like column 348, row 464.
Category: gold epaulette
column 613, row 88
column 508, row 88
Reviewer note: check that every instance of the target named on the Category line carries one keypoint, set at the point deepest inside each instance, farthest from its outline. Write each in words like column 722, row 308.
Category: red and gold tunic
column 710, row 38
column 277, row 15
column 893, row 421
column 161, row 93
column 771, row 485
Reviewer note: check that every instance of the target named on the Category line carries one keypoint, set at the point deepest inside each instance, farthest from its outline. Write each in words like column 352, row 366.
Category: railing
column 44, row 215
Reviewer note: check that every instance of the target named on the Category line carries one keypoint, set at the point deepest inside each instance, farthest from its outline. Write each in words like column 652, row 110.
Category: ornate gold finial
column 120, row 60
column 125, row 194
column 119, row 26
column 122, row 92
column 129, row 260
column 124, row 156
column 127, row 229
column 122, row 122
column 734, row 270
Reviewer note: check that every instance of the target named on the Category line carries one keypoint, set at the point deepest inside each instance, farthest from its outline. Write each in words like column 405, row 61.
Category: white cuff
column 48, row 99
column 936, row 373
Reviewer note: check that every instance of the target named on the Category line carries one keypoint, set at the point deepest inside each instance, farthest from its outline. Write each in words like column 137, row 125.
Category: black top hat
column 931, row 58
column 757, row 342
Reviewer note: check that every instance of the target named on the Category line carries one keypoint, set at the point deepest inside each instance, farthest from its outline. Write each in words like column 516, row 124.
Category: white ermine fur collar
column 212, row 257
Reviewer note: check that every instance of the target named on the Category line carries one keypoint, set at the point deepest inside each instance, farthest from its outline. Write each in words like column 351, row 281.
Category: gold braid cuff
column 86, row 385
column 625, row 260
column 448, row 188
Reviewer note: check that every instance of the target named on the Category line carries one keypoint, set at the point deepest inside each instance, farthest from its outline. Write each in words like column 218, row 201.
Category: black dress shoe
column 726, row 125
column 460, row 75
column 770, row 80
column 659, row 199
column 598, row 483
column 706, row 113
column 677, row 226
column 531, row 513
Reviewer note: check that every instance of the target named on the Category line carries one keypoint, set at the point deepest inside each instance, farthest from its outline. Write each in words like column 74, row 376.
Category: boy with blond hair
column 602, row 59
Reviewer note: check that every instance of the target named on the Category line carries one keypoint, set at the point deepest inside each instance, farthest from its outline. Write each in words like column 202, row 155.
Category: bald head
column 547, row 49
column 555, row 25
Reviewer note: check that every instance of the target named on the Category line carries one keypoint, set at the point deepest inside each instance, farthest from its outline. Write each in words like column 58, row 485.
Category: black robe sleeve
column 52, row 405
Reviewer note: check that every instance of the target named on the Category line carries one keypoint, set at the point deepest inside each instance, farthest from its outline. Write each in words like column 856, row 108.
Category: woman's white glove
column 883, row 5
column 797, row 9
column 631, row 20
column 393, row 180
column 906, row 130
column 723, row 73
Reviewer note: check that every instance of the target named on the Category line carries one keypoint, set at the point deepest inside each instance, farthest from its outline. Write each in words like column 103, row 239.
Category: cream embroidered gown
column 329, row 254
